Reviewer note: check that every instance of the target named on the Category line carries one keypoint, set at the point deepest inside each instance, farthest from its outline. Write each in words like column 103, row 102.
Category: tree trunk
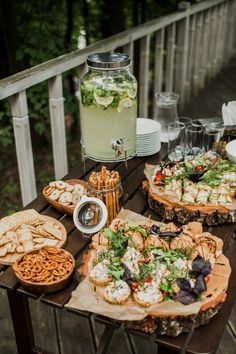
column 70, row 21
column 113, row 20
column 86, row 21
column 8, row 39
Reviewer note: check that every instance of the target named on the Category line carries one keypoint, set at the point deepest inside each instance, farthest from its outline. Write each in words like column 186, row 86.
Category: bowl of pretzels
column 45, row 270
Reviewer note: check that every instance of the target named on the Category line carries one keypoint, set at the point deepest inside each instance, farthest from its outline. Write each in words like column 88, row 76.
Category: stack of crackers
column 27, row 230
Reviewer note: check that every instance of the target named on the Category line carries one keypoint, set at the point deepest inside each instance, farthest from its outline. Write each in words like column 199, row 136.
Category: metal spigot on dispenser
column 108, row 108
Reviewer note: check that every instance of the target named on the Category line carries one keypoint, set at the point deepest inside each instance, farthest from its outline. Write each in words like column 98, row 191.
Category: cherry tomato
column 199, row 168
column 159, row 175
column 134, row 285
column 165, row 293
column 148, row 280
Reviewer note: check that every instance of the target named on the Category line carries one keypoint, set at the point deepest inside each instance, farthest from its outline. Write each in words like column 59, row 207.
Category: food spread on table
column 138, row 268
column 26, row 231
column 192, row 189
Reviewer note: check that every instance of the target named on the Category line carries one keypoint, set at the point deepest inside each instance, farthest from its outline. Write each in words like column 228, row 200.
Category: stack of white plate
column 148, row 137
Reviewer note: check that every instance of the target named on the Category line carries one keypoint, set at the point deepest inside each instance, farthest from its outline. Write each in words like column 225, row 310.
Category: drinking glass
column 199, row 123
column 194, row 142
column 166, row 111
column 187, row 121
column 217, row 126
column 176, row 141
column 212, row 135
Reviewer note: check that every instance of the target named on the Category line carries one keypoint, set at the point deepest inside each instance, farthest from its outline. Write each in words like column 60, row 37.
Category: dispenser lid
column 90, row 215
column 108, row 60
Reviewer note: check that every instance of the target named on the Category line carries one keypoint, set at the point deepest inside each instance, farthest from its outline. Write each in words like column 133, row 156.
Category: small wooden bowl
column 60, row 207
column 44, row 288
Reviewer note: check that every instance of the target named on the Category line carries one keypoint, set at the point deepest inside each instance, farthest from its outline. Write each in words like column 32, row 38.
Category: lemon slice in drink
column 125, row 103
column 131, row 93
column 103, row 101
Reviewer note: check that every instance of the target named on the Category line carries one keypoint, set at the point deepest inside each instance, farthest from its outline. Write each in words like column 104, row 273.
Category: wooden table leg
column 21, row 319
column 105, row 340
column 165, row 350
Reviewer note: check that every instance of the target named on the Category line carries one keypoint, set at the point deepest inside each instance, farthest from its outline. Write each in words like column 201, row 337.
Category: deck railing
column 188, row 47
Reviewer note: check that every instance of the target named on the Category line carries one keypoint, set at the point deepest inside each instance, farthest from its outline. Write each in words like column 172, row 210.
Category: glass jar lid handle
column 90, row 215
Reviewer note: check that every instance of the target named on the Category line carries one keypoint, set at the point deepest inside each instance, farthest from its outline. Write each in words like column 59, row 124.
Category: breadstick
column 107, row 202
column 110, row 183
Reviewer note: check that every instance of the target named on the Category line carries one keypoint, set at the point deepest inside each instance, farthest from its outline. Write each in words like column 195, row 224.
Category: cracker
column 50, row 242
column 50, row 228
column 65, row 197
column 28, row 246
column 4, row 240
column 39, row 239
column 24, row 236
column 3, row 251
column 19, row 249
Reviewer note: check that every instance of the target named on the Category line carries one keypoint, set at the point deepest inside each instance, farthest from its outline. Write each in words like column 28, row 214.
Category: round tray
column 58, row 206
column 45, row 287
column 13, row 257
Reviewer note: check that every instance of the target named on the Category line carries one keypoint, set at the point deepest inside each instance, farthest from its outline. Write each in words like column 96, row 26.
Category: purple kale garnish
column 183, row 284
column 200, row 285
column 125, row 243
column 186, row 297
column 154, row 229
column 127, row 275
column 200, row 266
column 168, row 233
column 187, row 294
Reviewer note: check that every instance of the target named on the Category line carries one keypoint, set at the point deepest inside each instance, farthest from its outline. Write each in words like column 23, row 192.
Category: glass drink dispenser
column 108, row 108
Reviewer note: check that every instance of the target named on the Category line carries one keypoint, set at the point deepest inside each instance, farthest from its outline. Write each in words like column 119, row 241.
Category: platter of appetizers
column 202, row 189
column 149, row 272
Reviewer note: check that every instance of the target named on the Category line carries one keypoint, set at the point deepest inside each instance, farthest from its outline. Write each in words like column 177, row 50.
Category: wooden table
column 203, row 340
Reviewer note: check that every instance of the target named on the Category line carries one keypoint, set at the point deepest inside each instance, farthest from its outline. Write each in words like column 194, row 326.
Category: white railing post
column 23, row 147
column 191, row 53
column 158, row 65
column 170, row 59
column 198, row 53
column 144, row 76
column 129, row 49
column 182, row 55
column 57, row 117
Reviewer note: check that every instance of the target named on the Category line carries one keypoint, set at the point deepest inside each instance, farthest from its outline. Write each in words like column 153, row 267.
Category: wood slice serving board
column 170, row 209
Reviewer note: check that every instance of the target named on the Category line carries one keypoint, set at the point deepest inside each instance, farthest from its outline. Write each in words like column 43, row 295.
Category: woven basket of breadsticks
column 106, row 185
column 64, row 195
column 45, row 270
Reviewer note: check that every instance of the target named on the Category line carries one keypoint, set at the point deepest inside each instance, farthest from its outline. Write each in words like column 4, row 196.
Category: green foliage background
column 33, row 32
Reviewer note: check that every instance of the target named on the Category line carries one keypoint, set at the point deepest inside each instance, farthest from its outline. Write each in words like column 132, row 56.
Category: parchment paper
column 89, row 297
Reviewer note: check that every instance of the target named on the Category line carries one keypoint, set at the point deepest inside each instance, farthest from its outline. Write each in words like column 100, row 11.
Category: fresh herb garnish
column 118, row 242
column 139, row 229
